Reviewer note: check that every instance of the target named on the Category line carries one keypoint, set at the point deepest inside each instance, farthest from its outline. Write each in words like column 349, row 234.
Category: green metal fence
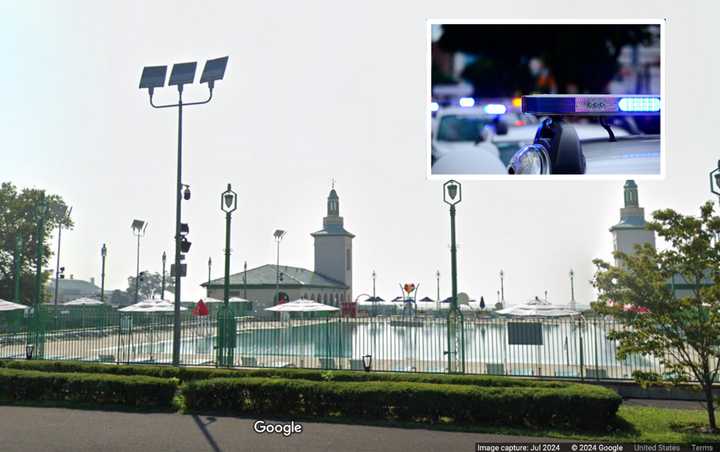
column 576, row 348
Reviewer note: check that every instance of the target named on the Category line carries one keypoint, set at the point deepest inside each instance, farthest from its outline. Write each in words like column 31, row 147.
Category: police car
column 561, row 147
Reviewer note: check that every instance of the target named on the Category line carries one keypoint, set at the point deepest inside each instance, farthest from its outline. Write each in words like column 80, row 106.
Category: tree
column 150, row 285
column 17, row 218
column 683, row 332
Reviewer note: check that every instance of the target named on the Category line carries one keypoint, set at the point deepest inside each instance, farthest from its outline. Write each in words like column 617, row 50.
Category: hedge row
column 200, row 373
column 124, row 390
column 576, row 406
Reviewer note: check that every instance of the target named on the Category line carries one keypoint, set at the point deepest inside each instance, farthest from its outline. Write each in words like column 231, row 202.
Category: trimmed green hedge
column 204, row 373
column 125, row 390
column 577, row 406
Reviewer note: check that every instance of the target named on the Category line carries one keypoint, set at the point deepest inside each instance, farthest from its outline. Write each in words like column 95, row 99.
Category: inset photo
column 562, row 100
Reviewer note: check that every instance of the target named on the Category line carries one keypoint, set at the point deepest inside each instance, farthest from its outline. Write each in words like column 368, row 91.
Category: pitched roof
column 266, row 275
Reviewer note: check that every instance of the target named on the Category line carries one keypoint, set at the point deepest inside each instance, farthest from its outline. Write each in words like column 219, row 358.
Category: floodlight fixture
column 214, row 70
column 279, row 234
column 139, row 226
column 182, row 74
column 153, row 77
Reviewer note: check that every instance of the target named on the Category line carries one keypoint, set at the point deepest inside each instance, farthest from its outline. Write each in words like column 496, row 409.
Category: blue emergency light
column 591, row 104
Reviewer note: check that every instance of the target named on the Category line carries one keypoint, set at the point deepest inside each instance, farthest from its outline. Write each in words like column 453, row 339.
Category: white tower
column 631, row 230
column 333, row 246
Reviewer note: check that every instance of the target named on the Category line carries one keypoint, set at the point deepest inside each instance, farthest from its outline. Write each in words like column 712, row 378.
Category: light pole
column 226, row 323
column 103, row 254
column 138, row 227
column 182, row 74
column 245, row 280
column 18, row 266
column 64, row 214
column 162, row 285
column 502, row 288
column 36, row 338
column 278, row 234
column 437, row 280
column 374, row 275
column 572, row 289
column 209, row 270
column 452, row 195
column 40, row 214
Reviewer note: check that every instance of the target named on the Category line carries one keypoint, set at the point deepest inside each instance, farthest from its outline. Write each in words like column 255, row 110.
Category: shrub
column 579, row 406
column 203, row 373
column 125, row 390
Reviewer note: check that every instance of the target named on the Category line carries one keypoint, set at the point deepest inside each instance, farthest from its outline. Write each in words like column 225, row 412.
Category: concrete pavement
column 59, row 429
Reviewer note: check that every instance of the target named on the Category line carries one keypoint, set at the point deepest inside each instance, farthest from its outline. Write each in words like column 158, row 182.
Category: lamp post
column 138, row 227
column 226, row 321
column 278, row 234
column 18, row 266
column 572, row 289
column 103, row 254
column 36, row 336
column 452, row 195
column 64, row 214
column 182, row 74
column 209, row 270
column 502, row 288
column 40, row 213
column 373, row 278
column 245, row 280
column 162, row 284
column 715, row 181
column 228, row 204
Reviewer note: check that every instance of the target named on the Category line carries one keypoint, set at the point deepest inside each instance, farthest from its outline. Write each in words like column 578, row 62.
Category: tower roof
column 333, row 222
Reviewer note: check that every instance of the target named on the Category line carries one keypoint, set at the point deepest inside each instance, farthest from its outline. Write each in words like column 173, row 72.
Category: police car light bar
column 591, row 105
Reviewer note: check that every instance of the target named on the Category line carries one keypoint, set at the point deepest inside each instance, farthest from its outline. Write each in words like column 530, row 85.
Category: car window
column 461, row 128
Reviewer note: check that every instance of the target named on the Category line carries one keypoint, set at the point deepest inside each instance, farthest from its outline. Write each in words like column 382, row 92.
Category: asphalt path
column 59, row 429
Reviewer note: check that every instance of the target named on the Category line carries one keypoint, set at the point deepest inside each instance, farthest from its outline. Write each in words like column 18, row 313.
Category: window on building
column 342, row 297
column 348, row 259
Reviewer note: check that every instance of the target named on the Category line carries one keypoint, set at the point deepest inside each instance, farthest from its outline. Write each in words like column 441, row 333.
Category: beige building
column 631, row 230
column 330, row 282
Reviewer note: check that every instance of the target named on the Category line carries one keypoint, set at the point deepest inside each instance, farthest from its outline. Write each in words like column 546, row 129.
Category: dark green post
column 452, row 195
column 36, row 336
column 103, row 254
column 18, row 266
column 226, row 320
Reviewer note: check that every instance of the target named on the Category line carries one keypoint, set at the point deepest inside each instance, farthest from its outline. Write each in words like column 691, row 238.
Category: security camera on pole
column 452, row 195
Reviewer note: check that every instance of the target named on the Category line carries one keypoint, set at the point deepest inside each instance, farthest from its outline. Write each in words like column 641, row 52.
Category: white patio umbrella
column 10, row 306
column 84, row 302
column 538, row 308
column 151, row 306
column 230, row 300
column 302, row 305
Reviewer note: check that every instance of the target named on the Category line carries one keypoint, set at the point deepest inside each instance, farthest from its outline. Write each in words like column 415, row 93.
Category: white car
column 465, row 130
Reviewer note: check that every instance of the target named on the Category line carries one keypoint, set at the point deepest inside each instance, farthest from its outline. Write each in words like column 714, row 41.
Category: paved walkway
column 59, row 429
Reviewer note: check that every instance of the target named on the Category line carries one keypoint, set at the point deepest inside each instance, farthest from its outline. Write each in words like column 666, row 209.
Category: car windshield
column 461, row 128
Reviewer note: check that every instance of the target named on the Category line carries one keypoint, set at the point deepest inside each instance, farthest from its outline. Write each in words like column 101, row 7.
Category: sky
column 314, row 91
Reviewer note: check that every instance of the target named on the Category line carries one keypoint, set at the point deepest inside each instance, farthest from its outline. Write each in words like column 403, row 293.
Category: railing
column 571, row 348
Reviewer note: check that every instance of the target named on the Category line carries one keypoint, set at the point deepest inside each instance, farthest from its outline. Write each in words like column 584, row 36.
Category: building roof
column 630, row 222
column 265, row 276
column 75, row 285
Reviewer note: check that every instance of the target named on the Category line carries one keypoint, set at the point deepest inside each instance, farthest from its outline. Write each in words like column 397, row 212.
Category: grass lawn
column 633, row 424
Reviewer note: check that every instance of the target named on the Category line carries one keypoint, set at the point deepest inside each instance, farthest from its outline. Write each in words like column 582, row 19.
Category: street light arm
column 184, row 104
